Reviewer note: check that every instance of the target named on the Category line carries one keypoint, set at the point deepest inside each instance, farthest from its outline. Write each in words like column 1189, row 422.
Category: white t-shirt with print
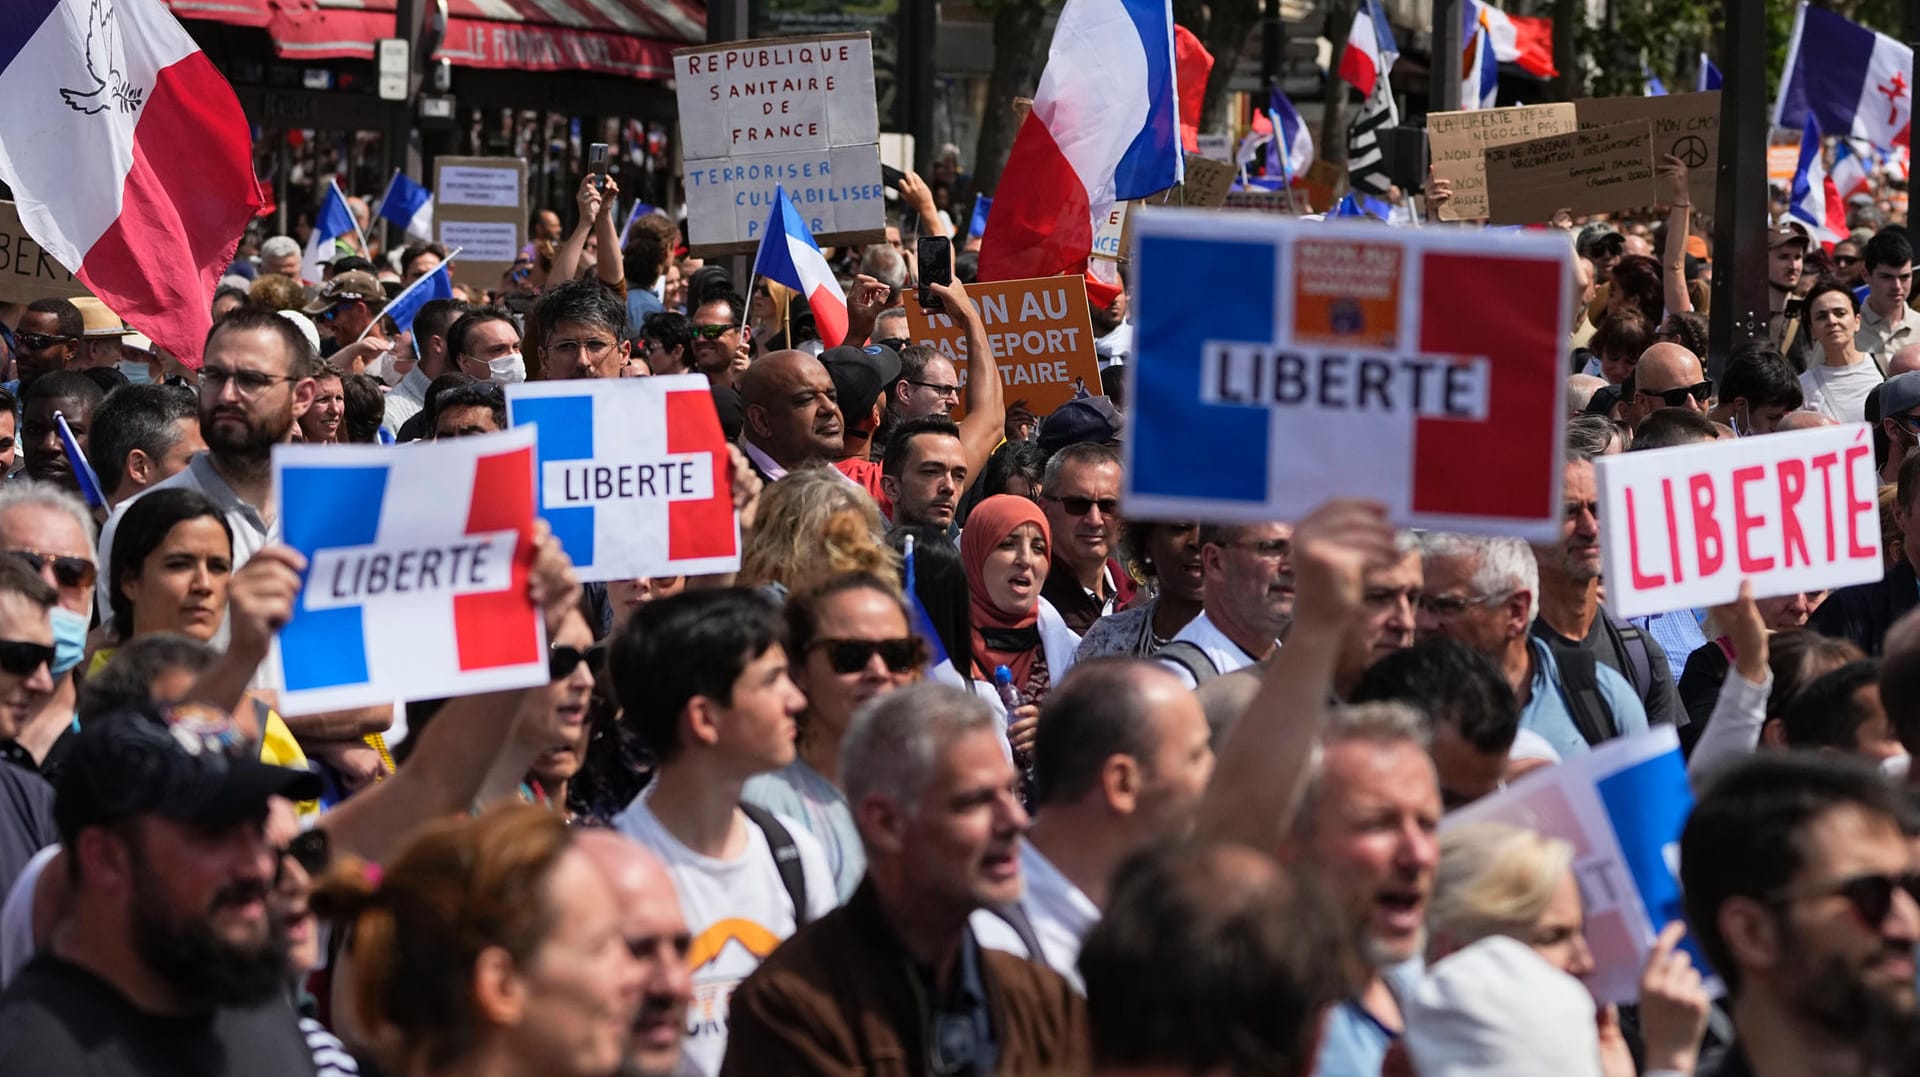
column 738, row 912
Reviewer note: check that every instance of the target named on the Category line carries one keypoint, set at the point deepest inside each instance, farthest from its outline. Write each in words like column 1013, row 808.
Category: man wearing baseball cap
column 346, row 305
column 860, row 375
column 1786, row 256
column 169, row 960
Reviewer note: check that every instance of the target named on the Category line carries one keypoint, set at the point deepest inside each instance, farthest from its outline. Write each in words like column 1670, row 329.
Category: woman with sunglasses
column 1838, row 385
column 1496, row 879
column 1005, row 547
column 848, row 642
column 552, row 730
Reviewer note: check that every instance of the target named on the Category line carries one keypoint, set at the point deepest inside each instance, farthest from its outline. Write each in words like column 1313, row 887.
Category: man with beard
column 170, row 960
column 1248, row 601
column 657, row 937
column 1800, row 888
column 74, row 396
column 924, row 471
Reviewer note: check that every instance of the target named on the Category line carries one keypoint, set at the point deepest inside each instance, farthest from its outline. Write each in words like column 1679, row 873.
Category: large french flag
column 789, row 257
column 1849, row 78
column 1370, row 50
column 1105, row 128
column 1291, row 151
column 129, row 157
column 1815, row 201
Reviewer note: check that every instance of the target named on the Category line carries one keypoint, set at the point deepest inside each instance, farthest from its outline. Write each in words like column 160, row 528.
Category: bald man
column 1670, row 376
column 792, row 414
column 657, row 935
column 1803, row 420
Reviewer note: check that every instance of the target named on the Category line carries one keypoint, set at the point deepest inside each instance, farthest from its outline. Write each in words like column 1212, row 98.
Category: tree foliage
column 1670, row 34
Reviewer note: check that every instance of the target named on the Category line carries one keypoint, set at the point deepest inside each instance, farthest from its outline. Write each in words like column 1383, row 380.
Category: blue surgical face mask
column 69, row 639
column 137, row 372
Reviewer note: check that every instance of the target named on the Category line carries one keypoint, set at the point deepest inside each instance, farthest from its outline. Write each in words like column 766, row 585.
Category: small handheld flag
column 403, row 308
column 1815, row 201
column 83, row 472
column 408, row 205
column 789, row 256
column 334, row 220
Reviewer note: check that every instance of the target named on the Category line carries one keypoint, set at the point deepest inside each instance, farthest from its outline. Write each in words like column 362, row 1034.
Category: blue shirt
column 1678, row 634
column 1547, row 713
column 1354, row 1043
column 641, row 302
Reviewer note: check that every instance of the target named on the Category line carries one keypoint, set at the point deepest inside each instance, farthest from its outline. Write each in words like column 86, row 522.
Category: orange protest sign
column 1040, row 330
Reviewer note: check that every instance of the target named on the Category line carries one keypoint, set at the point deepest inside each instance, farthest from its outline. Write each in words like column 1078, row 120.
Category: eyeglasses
column 21, row 659
column 33, row 342
column 1449, row 606
column 328, row 314
column 852, row 655
column 67, row 571
column 940, row 390
column 563, row 660
column 246, row 382
column 311, row 850
column 1078, row 506
column 712, row 332
column 1870, row 895
column 1265, row 549
column 594, row 348
column 1677, row 398
column 896, row 343
column 1845, row 260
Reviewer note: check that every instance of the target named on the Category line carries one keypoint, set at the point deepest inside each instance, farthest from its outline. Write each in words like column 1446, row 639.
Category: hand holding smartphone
column 597, row 164
column 936, row 267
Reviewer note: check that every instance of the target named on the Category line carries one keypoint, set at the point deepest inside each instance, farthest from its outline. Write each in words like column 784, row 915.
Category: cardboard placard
column 1681, row 527
column 1686, row 125
column 792, row 111
column 1261, row 201
column 1041, row 333
column 1592, row 170
column 1110, row 234
column 27, row 271
column 487, row 219
column 1322, row 358
column 1458, row 142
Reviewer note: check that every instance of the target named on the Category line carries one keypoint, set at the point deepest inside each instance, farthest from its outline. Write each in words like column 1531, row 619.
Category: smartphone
column 597, row 164
column 936, row 267
column 891, row 176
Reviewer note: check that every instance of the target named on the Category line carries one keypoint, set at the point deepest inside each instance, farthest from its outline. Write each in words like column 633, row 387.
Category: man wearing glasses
column 1669, row 376
column 583, row 329
column 50, row 532
column 719, row 340
column 47, row 339
column 26, row 650
column 1800, row 889
column 345, row 306
column 1248, row 603
column 928, row 383
column 1887, row 323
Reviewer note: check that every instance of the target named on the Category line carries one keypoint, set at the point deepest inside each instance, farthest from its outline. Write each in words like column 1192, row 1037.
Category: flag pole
column 451, row 255
column 365, row 251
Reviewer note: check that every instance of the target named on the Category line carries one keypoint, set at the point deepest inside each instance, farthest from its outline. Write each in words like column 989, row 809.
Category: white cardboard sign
column 1681, row 527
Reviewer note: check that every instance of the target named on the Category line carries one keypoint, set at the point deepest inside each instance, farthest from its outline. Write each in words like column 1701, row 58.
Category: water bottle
column 1010, row 699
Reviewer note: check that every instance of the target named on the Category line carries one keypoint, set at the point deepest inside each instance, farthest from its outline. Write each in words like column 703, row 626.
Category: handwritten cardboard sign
column 1459, row 141
column 1592, row 170
column 792, row 111
column 27, row 271
column 1110, row 233
column 1040, row 330
column 1686, row 125
column 480, row 206
column 1791, row 512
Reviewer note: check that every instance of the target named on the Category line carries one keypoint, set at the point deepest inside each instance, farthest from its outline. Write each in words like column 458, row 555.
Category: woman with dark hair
column 940, row 585
column 1016, row 467
column 1165, row 557
column 365, row 405
column 320, row 424
column 1837, row 386
column 1636, row 285
column 1685, row 328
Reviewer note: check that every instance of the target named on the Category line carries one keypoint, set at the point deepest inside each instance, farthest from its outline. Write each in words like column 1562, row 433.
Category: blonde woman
column 814, row 525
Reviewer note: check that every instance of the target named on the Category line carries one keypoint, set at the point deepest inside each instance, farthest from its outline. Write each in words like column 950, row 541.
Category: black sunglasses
column 21, row 659
column 563, row 660
column 1677, row 398
column 67, row 571
column 1079, row 506
column 1870, row 895
column 311, row 850
column 33, row 342
column 852, row 655
column 896, row 343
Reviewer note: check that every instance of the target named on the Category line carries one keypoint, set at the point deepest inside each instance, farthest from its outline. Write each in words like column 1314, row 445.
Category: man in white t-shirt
column 703, row 676
column 1248, row 603
column 1122, row 761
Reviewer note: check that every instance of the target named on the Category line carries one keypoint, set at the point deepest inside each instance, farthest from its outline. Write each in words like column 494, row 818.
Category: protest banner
column 1040, row 330
column 794, row 111
column 1262, row 200
column 402, row 598
column 480, row 207
column 1423, row 368
column 1686, row 125
column 1622, row 807
column 1206, row 185
column 634, row 476
column 27, row 271
column 1591, row 170
column 1681, row 527
column 1110, row 234
column 1458, row 143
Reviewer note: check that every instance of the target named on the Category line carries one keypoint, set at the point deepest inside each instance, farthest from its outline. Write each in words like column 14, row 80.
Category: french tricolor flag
column 1849, row 78
column 1815, row 200
column 1105, row 128
column 1851, row 171
column 789, row 257
column 128, row 155
column 1370, row 50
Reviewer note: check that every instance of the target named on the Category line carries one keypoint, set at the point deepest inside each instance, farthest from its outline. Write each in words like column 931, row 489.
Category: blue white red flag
column 402, row 598
column 405, row 307
column 128, row 155
column 789, row 257
column 408, row 205
column 333, row 220
column 83, row 472
column 1709, row 75
column 1852, row 171
column 1370, row 50
column 1814, row 201
column 1849, row 78
column 1292, row 147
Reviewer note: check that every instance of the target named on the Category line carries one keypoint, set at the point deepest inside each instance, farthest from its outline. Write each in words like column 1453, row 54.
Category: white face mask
column 507, row 369
column 1896, row 766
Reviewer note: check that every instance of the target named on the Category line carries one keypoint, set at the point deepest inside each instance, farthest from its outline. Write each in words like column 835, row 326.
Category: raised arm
column 1673, row 260
column 566, row 260
column 986, row 423
column 611, row 267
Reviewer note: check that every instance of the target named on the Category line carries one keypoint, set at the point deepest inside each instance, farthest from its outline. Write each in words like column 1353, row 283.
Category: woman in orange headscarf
column 1005, row 549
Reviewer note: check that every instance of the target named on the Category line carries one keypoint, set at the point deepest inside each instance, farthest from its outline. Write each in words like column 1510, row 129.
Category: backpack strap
column 1580, row 679
column 1016, row 918
column 786, row 858
column 1188, row 656
column 1639, row 669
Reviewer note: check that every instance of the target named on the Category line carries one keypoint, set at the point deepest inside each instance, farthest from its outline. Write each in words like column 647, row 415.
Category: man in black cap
column 859, row 377
column 169, row 960
column 1087, row 419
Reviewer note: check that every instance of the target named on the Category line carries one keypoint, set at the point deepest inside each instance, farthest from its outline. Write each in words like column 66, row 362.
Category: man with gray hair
column 1390, row 594
column 1484, row 592
column 281, row 254
column 896, row 972
column 884, row 264
column 1247, row 602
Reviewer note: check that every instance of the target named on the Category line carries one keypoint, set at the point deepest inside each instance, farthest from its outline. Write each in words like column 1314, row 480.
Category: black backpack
column 786, row 859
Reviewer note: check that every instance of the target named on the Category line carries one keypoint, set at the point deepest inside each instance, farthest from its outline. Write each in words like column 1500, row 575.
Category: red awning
column 632, row 38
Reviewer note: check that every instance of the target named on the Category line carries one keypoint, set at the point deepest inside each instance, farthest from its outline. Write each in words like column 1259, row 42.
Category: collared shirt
column 1678, row 634
column 962, row 1025
column 409, row 398
column 1884, row 336
column 1227, row 655
column 1548, row 714
column 1061, row 915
